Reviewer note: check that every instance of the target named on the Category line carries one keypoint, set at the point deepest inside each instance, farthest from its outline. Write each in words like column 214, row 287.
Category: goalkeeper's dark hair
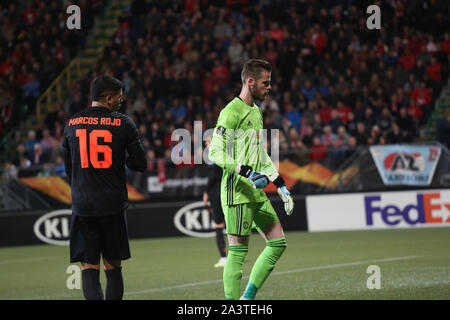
column 253, row 68
column 103, row 86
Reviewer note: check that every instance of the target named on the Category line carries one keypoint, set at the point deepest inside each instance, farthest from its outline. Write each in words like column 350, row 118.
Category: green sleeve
column 267, row 166
column 221, row 149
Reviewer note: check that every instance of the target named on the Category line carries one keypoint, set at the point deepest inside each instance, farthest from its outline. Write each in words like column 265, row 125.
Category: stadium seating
column 180, row 61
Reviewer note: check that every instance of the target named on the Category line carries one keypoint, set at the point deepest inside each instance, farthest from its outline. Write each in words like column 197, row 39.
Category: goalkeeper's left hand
column 285, row 195
column 283, row 192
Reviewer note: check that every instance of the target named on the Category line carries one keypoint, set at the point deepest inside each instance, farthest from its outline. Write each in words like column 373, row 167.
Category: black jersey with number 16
column 96, row 143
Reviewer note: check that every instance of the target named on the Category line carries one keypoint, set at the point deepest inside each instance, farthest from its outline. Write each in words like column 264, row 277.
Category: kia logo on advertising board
column 195, row 220
column 53, row 227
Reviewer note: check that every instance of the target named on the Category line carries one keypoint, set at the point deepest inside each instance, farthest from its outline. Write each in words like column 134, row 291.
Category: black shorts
column 91, row 237
column 217, row 213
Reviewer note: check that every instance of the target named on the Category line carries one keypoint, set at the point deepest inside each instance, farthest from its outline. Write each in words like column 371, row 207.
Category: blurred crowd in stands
column 336, row 85
column 35, row 46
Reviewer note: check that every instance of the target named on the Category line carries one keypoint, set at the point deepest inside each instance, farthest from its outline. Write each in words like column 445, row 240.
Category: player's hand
column 259, row 180
column 285, row 195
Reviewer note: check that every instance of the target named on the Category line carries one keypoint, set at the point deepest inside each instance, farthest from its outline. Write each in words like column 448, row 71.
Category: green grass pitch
column 414, row 264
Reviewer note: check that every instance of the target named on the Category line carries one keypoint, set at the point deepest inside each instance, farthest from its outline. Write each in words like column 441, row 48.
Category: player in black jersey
column 211, row 199
column 98, row 143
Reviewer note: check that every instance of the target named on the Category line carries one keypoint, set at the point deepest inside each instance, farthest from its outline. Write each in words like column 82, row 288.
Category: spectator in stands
column 317, row 125
column 343, row 110
column 361, row 133
column 394, row 135
column 324, row 111
column 10, row 172
column 77, row 104
column 335, row 121
column 177, row 111
column 351, row 124
column 308, row 90
column 270, row 104
column 45, row 170
column 54, row 152
column 342, row 137
column 384, row 121
column 374, row 136
column 39, row 157
column 300, row 152
column 236, row 51
column 58, row 169
column 324, row 88
column 31, row 87
column 327, row 136
column 47, row 141
column 443, row 130
column 336, row 153
column 421, row 97
column 30, row 143
column 318, row 151
column 407, row 60
column 19, row 154
column 307, row 135
column 415, row 112
column 24, row 163
column 341, row 85
column 406, row 125
column 292, row 114
column 411, row 85
column 310, row 113
column 434, row 72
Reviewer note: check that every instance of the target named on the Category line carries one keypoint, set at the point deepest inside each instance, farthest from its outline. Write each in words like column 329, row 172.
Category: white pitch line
column 26, row 260
column 343, row 265
column 331, row 266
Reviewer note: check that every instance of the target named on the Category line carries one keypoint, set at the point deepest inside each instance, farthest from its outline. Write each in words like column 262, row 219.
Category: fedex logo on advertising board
column 429, row 208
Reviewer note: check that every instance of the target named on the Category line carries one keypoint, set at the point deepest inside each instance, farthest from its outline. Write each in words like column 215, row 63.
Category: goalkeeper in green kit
column 237, row 148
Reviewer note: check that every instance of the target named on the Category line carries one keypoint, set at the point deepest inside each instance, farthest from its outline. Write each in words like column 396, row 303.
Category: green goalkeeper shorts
column 240, row 219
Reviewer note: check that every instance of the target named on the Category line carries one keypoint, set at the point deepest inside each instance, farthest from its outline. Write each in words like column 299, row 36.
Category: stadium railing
column 54, row 91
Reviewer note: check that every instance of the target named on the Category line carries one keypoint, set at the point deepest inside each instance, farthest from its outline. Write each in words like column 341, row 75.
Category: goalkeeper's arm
column 218, row 155
column 218, row 149
column 269, row 168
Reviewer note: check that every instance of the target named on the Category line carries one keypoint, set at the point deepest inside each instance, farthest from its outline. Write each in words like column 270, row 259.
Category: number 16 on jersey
column 94, row 148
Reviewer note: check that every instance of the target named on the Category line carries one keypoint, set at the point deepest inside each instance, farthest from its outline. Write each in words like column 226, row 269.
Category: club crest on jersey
column 220, row 130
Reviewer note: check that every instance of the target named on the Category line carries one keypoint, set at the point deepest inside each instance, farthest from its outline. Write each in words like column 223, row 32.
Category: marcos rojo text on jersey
column 95, row 120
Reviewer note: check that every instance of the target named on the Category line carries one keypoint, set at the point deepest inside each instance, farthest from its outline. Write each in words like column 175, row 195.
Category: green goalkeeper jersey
column 238, row 139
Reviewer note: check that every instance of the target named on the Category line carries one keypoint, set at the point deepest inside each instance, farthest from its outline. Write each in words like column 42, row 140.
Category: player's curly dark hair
column 253, row 67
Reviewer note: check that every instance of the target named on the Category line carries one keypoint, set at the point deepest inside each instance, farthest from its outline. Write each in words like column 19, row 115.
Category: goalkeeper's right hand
column 259, row 180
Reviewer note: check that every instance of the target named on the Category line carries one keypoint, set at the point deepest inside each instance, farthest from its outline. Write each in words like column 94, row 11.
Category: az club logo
column 195, row 220
column 405, row 162
column 53, row 227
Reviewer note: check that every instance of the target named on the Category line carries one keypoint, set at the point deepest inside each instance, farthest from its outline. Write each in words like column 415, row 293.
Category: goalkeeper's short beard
column 255, row 96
